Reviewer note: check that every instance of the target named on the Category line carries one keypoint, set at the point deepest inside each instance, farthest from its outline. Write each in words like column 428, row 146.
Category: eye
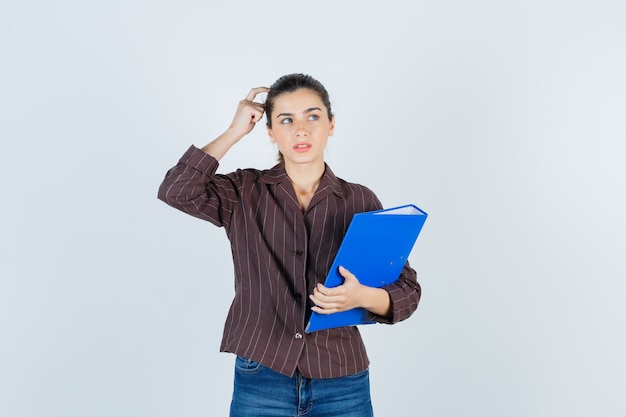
column 314, row 117
column 285, row 121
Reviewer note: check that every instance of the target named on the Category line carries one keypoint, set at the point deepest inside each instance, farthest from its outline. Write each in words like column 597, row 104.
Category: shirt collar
column 277, row 175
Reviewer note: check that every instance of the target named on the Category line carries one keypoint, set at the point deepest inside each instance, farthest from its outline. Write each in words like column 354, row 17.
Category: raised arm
column 192, row 185
column 249, row 113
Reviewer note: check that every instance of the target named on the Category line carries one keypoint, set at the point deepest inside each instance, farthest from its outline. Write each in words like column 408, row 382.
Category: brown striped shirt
column 279, row 255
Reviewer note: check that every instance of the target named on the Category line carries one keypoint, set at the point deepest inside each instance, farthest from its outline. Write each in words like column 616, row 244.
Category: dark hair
column 290, row 83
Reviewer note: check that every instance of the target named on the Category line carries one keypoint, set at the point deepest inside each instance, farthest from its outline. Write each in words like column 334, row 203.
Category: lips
column 302, row 147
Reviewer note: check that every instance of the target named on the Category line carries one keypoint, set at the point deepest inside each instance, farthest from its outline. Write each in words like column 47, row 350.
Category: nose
column 301, row 129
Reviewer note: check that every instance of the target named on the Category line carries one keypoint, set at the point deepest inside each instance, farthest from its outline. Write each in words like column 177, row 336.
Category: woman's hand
column 249, row 112
column 351, row 294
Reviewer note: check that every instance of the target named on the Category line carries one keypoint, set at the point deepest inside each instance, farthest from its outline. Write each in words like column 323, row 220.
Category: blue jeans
column 262, row 392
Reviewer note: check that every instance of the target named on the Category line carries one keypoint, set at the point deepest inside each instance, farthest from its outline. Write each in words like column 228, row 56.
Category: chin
column 306, row 159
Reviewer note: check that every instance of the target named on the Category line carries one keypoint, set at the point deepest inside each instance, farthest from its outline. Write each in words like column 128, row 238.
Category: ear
column 331, row 131
column 270, row 134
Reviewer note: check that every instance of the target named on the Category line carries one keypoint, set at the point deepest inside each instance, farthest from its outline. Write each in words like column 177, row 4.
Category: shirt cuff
column 404, row 302
column 200, row 161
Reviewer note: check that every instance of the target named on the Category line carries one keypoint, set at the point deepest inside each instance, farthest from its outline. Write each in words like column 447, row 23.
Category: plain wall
column 505, row 121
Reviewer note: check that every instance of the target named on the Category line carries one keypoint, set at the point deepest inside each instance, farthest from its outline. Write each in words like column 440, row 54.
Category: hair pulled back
column 292, row 82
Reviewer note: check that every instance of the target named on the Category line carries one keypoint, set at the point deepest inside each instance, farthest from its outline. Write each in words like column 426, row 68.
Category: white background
column 504, row 120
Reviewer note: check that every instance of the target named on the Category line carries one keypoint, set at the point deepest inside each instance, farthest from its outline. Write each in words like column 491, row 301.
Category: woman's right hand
column 249, row 113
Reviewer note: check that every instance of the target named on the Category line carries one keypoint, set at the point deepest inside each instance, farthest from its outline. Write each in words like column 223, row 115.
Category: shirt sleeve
column 405, row 294
column 193, row 187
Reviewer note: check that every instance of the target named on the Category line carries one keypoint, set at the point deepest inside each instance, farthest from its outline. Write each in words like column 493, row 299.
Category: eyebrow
column 309, row 110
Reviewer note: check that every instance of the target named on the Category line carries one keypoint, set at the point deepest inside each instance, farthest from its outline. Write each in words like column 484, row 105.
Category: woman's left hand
column 344, row 297
column 351, row 294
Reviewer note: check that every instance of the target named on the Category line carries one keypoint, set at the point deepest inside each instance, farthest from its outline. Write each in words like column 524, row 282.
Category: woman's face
column 300, row 127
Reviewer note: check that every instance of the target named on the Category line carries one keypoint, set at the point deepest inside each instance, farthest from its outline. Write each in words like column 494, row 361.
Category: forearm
column 377, row 301
column 222, row 144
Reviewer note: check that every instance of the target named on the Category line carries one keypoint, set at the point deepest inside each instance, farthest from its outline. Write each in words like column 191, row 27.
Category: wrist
column 222, row 144
column 232, row 135
column 377, row 301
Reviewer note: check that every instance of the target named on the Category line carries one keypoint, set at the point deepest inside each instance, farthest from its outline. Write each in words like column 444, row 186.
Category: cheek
column 282, row 132
column 277, row 133
column 278, row 136
column 323, row 130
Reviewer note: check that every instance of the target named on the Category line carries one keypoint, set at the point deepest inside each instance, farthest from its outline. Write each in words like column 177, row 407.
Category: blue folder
column 375, row 248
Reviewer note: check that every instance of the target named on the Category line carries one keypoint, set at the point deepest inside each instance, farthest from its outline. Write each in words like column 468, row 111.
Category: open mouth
column 302, row 147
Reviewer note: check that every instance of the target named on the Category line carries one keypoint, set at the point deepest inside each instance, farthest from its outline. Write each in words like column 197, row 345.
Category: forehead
column 298, row 100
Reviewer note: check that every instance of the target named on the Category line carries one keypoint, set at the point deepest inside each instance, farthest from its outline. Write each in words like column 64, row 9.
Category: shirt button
column 298, row 335
column 299, row 252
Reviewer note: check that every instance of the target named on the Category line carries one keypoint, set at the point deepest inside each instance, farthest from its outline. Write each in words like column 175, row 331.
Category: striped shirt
column 279, row 255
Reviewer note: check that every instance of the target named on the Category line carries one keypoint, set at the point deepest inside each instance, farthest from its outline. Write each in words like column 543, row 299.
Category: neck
column 305, row 178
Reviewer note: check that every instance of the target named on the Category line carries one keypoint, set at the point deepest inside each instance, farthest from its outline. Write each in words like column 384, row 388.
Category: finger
column 326, row 293
column 326, row 307
column 321, row 289
column 347, row 274
column 319, row 296
column 321, row 300
column 258, row 90
column 323, row 310
column 257, row 115
column 344, row 272
column 319, row 310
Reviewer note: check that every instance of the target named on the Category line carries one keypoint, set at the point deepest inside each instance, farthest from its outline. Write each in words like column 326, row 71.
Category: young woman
column 285, row 225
